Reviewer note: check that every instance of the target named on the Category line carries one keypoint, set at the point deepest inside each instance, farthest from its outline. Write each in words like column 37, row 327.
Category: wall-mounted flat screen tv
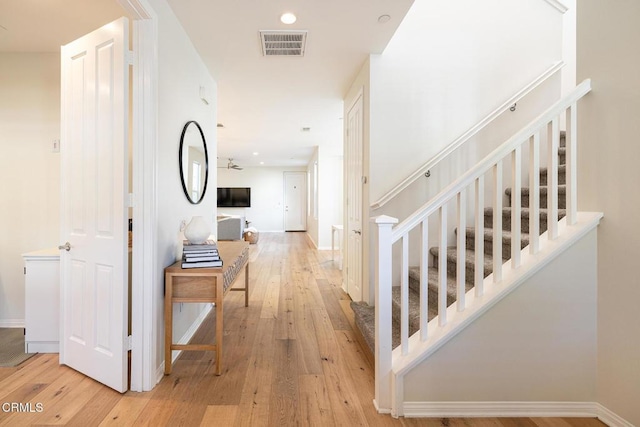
column 234, row 197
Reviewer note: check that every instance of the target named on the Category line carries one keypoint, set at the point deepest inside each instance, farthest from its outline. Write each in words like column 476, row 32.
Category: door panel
column 94, row 220
column 353, row 229
column 295, row 201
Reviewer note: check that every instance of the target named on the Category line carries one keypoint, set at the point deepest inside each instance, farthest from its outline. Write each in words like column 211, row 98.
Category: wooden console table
column 204, row 285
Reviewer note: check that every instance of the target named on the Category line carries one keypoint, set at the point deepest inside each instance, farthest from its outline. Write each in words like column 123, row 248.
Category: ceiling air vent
column 283, row 43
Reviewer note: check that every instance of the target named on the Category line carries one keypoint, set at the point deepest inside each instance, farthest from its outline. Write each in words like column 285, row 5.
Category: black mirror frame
column 206, row 161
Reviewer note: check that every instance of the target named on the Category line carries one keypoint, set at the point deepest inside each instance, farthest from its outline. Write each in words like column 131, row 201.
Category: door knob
column 66, row 247
column 357, row 231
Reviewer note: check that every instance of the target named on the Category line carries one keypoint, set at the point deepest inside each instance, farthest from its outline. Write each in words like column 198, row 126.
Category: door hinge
column 364, row 179
column 25, row 270
column 129, row 344
column 129, row 57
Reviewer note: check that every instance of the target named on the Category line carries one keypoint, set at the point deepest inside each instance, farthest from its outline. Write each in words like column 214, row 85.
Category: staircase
column 365, row 314
column 419, row 309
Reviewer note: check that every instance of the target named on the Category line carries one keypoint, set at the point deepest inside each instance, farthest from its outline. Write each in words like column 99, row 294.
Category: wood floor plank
column 344, row 399
column 65, row 409
column 94, row 411
column 314, row 408
column 49, row 397
column 271, row 299
column 284, row 391
column 254, row 404
column 126, row 411
column 219, row 415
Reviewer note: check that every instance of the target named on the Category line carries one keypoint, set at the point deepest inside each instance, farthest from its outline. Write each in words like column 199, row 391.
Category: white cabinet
column 42, row 301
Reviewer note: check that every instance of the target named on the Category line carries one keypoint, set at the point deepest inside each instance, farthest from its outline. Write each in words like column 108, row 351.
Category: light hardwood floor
column 290, row 358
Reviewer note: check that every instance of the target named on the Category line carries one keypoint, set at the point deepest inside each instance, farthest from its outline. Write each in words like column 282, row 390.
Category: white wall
column 537, row 344
column 29, row 170
column 181, row 72
column 447, row 67
column 608, row 177
column 267, row 194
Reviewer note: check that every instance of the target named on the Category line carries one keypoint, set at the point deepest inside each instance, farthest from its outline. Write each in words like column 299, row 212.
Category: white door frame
column 145, row 118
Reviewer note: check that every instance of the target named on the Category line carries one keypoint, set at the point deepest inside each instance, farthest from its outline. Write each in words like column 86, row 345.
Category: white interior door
column 353, row 228
column 295, row 201
column 94, row 214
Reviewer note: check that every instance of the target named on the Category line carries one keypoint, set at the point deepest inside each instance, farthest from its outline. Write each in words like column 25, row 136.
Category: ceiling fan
column 231, row 165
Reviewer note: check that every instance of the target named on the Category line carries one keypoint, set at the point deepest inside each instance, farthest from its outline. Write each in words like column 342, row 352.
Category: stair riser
column 562, row 201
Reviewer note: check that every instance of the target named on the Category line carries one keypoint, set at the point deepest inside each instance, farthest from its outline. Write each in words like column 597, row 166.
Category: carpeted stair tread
column 524, row 218
column 452, row 259
column 432, row 279
column 562, row 190
column 365, row 318
column 562, row 175
column 544, row 190
column 470, row 239
column 414, row 310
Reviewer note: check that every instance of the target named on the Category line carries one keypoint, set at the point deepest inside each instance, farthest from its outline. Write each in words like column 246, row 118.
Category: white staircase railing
column 471, row 186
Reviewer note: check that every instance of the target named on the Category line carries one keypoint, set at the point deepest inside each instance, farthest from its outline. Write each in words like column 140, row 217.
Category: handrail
column 466, row 136
column 485, row 164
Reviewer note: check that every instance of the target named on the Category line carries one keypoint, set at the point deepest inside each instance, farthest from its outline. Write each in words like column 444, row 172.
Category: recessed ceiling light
column 383, row 18
column 288, row 18
column 262, row 163
column 255, row 153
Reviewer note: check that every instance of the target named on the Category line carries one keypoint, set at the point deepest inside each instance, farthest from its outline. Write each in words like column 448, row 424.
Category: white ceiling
column 263, row 102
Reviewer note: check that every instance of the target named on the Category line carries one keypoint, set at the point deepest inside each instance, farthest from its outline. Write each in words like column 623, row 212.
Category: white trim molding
column 12, row 323
column 500, row 409
column 610, row 418
column 558, row 5
column 513, row 409
column 145, row 117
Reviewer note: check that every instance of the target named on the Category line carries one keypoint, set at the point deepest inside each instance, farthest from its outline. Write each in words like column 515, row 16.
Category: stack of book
column 201, row 255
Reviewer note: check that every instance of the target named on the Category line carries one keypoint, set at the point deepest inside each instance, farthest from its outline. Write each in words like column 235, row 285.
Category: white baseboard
column 500, row 409
column 160, row 373
column 12, row 323
column 610, row 418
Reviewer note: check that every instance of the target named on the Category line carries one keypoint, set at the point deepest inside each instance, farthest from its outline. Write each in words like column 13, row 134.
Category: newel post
column 383, row 349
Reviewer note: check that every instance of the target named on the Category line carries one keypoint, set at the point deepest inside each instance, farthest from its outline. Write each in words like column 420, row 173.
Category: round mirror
column 194, row 162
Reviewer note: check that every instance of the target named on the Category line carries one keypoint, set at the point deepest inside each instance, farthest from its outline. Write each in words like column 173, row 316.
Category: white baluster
column 516, row 207
column 572, row 162
column 442, row 267
column 461, row 249
column 424, row 280
column 497, row 223
column 383, row 320
column 534, row 193
column 479, row 237
column 404, row 297
column 553, row 137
